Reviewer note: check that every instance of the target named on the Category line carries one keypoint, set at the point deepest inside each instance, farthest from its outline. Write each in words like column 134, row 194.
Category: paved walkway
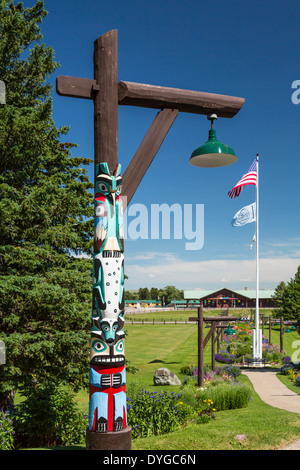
column 272, row 391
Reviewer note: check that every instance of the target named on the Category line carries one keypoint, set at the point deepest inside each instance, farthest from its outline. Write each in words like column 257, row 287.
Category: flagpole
column 257, row 350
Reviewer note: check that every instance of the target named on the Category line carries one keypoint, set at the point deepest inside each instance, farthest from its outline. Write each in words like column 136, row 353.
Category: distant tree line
column 166, row 294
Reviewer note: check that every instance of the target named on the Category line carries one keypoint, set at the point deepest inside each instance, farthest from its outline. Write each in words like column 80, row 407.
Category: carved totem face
column 107, row 346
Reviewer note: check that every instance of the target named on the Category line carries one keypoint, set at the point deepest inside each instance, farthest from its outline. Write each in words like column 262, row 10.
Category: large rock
column 164, row 376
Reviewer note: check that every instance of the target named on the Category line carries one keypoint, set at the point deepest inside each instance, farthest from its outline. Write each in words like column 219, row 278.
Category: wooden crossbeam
column 151, row 96
column 76, row 87
column 188, row 101
column 211, row 319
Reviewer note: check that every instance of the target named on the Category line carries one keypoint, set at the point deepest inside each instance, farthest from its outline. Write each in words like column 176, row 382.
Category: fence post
column 281, row 334
column 200, row 347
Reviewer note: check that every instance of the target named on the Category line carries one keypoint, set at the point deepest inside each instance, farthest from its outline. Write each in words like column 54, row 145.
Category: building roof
column 249, row 293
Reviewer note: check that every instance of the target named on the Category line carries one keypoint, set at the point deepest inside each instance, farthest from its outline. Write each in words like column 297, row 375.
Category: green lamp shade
column 213, row 153
column 229, row 331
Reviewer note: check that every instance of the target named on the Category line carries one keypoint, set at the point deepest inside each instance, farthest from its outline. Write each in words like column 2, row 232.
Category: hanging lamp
column 213, row 153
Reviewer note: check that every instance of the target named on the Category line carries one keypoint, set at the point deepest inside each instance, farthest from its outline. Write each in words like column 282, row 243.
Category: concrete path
column 273, row 392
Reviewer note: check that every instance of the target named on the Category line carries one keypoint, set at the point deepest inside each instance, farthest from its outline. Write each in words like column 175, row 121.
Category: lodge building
column 228, row 298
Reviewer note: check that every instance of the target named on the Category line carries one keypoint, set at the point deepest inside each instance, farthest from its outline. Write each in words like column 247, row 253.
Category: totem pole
column 107, row 406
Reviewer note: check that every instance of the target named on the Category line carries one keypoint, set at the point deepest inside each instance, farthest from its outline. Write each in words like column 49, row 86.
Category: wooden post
column 106, row 102
column 200, row 347
column 213, row 346
column 270, row 329
column 281, row 334
column 219, row 331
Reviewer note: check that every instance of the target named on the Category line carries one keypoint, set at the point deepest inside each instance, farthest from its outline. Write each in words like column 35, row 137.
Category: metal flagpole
column 257, row 339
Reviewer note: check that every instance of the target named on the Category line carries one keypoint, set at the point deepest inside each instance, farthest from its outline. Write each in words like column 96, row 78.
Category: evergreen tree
column 278, row 293
column 290, row 298
column 46, row 209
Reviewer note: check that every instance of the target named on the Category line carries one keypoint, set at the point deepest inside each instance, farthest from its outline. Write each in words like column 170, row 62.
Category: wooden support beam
column 146, row 152
column 150, row 96
column 212, row 319
column 75, row 87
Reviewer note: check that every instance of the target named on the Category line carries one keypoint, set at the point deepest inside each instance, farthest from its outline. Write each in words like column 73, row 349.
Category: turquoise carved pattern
column 107, row 370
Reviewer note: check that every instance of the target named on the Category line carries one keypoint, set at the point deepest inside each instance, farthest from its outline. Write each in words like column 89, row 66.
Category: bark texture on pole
column 106, row 101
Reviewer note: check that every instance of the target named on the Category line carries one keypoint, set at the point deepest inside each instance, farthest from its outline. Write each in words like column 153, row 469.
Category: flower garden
column 236, row 348
column 292, row 371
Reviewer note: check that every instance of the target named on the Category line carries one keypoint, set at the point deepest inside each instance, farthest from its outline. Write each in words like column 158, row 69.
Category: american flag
column 248, row 178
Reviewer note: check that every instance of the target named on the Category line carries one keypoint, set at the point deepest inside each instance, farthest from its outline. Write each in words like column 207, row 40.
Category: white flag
column 253, row 241
column 244, row 216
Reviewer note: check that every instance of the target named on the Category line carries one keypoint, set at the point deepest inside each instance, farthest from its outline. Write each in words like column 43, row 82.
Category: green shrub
column 226, row 396
column 48, row 417
column 6, row 431
column 245, row 338
column 243, row 349
column 239, row 348
column 187, row 370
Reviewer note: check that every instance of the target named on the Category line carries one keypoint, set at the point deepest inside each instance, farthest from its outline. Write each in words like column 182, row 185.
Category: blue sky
column 249, row 49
